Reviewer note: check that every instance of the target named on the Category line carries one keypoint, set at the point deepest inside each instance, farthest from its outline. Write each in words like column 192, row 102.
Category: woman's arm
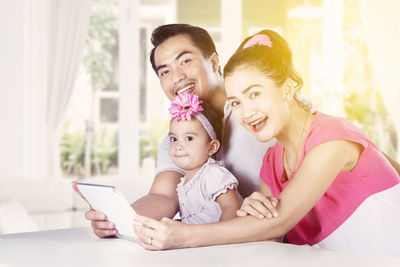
column 229, row 204
column 320, row 167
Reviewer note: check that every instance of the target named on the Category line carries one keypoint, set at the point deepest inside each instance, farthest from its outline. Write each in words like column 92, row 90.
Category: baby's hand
column 259, row 206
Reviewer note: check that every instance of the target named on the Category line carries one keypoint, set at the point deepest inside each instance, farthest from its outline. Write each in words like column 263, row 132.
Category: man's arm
column 162, row 200
column 394, row 163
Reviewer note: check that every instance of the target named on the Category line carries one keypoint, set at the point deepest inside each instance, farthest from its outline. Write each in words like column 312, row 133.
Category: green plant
column 101, row 39
column 103, row 154
column 72, row 151
column 99, row 59
column 106, row 148
column 363, row 103
column 151, row 136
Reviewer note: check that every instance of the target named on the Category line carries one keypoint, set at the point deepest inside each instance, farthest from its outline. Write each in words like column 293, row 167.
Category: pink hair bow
column 259, row 39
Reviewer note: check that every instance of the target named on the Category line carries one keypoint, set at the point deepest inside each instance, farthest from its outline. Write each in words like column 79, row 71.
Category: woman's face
column 257, row 103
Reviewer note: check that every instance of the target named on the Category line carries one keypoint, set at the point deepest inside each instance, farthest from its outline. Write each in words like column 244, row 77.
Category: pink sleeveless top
column 373, row 174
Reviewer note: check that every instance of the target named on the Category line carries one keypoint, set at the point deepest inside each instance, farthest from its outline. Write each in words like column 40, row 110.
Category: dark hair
column 199, row 36
column 214, row 117
column 276, row 61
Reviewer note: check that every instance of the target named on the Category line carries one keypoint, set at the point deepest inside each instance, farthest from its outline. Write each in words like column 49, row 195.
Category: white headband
column 206, row 124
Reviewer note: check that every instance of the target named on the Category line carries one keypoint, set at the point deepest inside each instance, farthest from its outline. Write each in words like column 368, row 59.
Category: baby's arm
column 229, row 204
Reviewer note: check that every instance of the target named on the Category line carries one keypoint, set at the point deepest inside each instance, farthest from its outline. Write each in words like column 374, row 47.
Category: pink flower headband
column 258, row 39
column 185, row 105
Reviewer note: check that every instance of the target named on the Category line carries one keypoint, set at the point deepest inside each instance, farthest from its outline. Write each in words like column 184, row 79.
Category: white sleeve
column 164, row 162
column 217, row 181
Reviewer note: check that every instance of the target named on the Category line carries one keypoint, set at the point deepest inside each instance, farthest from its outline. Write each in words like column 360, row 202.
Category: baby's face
column 189, row 144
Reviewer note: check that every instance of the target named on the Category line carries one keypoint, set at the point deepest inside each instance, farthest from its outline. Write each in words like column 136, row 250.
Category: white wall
column 11, row 87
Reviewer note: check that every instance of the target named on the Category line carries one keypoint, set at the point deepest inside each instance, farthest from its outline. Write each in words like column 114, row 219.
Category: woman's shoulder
column 326, row 128
column 327, row 122
column 328, row 125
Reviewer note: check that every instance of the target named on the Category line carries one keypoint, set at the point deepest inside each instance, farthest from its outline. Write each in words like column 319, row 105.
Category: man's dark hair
column 199, row 36
column 215, row 118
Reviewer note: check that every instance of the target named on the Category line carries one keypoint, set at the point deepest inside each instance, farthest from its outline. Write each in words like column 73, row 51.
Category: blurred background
column 80, row 101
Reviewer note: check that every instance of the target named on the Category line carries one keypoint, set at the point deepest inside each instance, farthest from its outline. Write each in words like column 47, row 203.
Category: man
column 185, row 60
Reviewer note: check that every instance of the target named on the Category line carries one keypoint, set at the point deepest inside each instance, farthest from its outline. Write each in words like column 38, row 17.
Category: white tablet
column 109, row 200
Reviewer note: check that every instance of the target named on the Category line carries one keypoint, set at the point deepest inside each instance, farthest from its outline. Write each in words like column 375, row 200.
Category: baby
column 207, row 192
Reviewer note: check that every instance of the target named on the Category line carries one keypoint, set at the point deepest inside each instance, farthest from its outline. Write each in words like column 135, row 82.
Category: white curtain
column 68, row 24
column 381, row 20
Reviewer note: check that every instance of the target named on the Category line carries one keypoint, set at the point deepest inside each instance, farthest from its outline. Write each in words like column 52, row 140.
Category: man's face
column 181, row 67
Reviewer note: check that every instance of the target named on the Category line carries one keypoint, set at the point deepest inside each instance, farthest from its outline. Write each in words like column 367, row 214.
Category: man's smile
column 185, row 88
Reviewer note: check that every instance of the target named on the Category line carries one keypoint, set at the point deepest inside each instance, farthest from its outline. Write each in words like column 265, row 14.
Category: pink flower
column 259, row 39
column 184, row 106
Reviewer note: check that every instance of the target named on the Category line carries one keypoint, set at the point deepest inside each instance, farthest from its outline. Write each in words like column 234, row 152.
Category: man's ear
column 214, row 146
column 215, row 61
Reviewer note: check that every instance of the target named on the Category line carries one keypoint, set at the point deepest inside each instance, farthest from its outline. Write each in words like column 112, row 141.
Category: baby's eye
column 172, row 139
column 189, row 138
column 254, row 95
column 234, row 103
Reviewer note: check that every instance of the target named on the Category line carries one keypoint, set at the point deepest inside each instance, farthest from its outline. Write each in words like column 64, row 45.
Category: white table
column 80, row 247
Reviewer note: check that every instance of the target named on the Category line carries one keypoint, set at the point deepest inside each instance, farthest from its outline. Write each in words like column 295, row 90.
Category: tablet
column 109, row 200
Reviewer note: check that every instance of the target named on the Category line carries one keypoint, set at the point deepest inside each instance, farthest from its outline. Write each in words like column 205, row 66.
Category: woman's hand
column 259, row 206
column 163, row 234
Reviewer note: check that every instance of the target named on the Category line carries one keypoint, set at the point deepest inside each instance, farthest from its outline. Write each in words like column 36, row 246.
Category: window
column 89, row 143
column 111, row 99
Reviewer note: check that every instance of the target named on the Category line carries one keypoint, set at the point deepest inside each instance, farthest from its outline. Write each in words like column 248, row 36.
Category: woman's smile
column 259, row 124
